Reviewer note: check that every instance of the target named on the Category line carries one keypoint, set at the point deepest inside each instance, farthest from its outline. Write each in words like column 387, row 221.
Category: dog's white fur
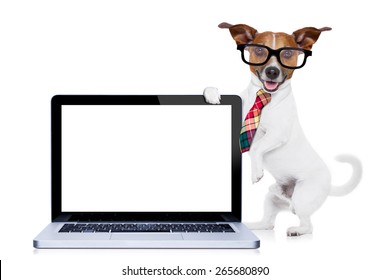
column 303, row 181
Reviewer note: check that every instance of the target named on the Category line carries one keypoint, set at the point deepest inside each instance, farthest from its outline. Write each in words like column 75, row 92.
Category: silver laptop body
column 155, row 171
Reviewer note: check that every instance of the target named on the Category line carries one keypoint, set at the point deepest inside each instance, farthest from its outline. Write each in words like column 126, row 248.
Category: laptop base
column 51, row 238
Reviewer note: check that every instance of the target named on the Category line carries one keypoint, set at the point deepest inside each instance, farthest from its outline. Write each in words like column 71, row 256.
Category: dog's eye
column 260, row 51
column 287, row 54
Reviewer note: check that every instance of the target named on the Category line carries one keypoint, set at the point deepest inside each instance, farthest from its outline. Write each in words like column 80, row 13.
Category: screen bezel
column 56, row 137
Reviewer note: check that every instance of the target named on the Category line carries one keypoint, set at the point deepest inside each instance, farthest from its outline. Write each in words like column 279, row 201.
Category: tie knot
column 265, row 97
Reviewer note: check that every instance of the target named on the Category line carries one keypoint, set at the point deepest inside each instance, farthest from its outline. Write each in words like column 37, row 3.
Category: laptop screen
column 127, row 156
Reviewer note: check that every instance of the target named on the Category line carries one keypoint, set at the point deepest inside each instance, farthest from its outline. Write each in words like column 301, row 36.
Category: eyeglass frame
column 272, row 52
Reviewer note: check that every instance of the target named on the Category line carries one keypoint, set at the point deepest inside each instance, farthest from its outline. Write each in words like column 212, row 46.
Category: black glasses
column 256, row 55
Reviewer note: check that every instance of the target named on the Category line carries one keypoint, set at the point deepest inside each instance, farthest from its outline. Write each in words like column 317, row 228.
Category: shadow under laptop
column 146, row 253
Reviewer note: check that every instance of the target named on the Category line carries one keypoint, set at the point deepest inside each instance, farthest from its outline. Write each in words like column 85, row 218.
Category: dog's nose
column 272, row 72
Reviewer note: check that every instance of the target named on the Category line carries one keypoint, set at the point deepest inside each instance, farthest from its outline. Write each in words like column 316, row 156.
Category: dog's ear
column 241, row 33
column 306, row 37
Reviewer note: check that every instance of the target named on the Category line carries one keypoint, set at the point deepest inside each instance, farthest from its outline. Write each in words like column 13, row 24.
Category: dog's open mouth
column 271, row 86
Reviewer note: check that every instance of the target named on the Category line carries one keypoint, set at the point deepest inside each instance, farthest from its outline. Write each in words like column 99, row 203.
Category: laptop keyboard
column 149, row 227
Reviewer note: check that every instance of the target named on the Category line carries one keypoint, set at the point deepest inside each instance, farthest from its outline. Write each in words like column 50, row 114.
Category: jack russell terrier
column 276, row 141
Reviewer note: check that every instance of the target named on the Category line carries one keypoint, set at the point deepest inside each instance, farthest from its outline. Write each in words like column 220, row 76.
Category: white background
column 146, row 158
column 175, row 47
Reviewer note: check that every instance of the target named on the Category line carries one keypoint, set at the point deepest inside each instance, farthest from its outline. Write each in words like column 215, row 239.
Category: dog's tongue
column 271, row 85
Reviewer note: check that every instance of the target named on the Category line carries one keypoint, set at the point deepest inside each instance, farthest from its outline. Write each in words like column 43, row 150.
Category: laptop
column 155, row 171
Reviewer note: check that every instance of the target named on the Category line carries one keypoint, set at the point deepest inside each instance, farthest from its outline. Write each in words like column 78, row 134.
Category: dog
column 302, row 180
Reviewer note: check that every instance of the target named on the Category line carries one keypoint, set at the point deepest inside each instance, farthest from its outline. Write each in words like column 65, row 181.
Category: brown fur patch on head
column 274, row 41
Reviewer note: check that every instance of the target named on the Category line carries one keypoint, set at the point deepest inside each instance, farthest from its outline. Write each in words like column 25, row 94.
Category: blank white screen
column 151, row 158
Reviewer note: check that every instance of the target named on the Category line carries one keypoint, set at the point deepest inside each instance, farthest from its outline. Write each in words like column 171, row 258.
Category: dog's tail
column 355, row 178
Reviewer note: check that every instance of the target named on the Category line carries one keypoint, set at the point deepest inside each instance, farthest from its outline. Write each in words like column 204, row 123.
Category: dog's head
column 273, row 57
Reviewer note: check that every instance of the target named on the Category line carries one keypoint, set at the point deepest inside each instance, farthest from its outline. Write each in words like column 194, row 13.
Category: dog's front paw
column 257, row 173
column 298, row 231
column 256, row 176
column 211, row 95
